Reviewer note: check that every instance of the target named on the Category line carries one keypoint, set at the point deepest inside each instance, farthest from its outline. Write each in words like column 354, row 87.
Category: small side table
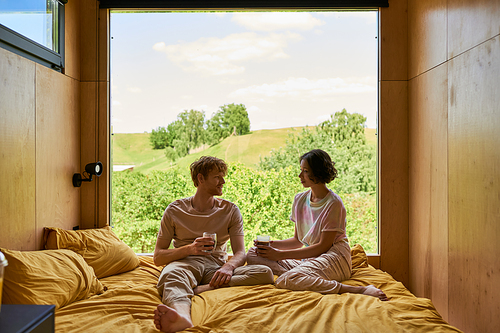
column 24, row 318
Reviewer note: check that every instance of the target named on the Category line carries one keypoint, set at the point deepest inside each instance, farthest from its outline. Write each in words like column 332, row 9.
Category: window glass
column 35, row 19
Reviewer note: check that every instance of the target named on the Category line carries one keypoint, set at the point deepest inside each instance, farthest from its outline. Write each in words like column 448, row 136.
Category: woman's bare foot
column 167, row 319
column 204, row 287
column 375, row 292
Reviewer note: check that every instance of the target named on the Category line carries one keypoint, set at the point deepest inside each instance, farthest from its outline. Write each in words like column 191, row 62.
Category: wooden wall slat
column 474, row 188
column 57, row 151
column 89, row 45
column 393, row 42
column 428, row 215
column 393, row 179
column 72, row 39
column 426, row 24
column 104, row 181
column 88, row 154
column 17, row 152
column 470, row 23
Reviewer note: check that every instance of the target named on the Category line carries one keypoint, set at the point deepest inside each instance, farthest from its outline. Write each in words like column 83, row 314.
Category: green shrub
column 264, row 198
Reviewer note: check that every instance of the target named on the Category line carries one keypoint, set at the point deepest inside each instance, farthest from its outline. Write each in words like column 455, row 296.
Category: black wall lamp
column 91, row 169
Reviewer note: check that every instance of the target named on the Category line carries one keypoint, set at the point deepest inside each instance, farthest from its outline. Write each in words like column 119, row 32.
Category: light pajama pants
column 321, row 274
column 179, row 278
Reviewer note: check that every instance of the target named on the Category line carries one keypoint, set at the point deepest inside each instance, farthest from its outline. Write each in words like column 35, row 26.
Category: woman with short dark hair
column 318, row 257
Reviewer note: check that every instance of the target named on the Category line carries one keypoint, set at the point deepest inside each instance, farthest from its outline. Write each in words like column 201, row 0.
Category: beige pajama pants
column 179, row 278
column 321, row 274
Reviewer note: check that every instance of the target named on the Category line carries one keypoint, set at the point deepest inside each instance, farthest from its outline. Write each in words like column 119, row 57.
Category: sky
column 289, row 69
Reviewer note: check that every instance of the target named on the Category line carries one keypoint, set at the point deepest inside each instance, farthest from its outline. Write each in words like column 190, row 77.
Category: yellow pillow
column 358, row 257
column 100, row 248
column 57, row 277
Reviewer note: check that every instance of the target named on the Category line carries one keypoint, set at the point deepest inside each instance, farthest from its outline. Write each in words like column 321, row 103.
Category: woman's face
column 305, row 174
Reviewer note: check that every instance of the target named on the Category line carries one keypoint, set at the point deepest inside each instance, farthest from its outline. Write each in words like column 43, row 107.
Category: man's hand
column 268, row 252
column 222, row 276
column 198, row 246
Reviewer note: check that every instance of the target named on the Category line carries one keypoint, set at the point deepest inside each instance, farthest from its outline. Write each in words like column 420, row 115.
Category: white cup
column 263, row 240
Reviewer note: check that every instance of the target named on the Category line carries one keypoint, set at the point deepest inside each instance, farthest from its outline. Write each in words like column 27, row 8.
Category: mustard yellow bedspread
column 129, row 302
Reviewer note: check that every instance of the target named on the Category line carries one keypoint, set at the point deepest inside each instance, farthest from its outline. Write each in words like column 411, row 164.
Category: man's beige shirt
column 183, row 224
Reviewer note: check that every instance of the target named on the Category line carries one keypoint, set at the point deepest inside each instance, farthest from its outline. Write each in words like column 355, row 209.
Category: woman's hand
column 268, row 252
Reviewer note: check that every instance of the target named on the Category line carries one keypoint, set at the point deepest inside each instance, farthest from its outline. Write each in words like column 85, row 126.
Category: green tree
column 193, row 128
column 181, row 147
column 174, row 130
column 185, row 133
column 343, row 138
column 235, row 119
column 158, row 138
column 214, row 131
column 229, row 119
column 345, row 129
column 171, row 154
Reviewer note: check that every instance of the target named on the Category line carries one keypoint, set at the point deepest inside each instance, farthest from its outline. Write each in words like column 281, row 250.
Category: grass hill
column 135, row 149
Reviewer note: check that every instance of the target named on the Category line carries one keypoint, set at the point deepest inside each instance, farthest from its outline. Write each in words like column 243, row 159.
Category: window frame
column 243, row 4
column 28, row 48
column 255, row 5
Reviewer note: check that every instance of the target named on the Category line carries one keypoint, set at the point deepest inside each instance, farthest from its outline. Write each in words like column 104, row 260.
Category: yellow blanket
column 129, row 302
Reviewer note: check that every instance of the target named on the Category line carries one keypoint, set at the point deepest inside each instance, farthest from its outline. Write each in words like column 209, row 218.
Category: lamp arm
column 78, row 179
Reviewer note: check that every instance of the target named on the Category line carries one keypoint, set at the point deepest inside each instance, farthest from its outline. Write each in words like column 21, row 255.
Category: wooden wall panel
column 393, row 179
column 103, row 43
column 89, row 151
column 72, row 39
column 57, row 150
column 428, row 187
column 393, row 46
column 17, row 152
column 103, row 154
column 474, row 188
column 471, row 23
column 426, row 26
column 89, row 42
column 95, row 125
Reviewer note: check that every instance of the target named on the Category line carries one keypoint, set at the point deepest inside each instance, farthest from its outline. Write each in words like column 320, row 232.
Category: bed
column 99, row 285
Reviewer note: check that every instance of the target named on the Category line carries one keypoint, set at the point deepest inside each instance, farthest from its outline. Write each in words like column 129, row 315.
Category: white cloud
column 302, row 88
column 254, row 109
column 134, row 90
column 272, row 21
column 323, row 117
column 369, row 17
column 223, row 56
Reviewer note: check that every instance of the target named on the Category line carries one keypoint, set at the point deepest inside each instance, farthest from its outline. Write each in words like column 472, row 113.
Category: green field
column 135, row 149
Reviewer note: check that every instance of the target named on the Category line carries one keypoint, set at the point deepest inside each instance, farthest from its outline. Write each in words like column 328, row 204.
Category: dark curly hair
column 322, row 166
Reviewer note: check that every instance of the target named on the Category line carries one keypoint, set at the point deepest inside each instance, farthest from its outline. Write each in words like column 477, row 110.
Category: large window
column 299, row 80
column 34, row 29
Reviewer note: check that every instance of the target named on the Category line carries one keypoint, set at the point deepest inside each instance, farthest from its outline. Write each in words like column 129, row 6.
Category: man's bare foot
column 167, row 319
column 375, row 292
column 204, row 287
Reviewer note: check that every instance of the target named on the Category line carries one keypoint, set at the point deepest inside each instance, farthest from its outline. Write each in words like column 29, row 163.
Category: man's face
column 214, row 182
